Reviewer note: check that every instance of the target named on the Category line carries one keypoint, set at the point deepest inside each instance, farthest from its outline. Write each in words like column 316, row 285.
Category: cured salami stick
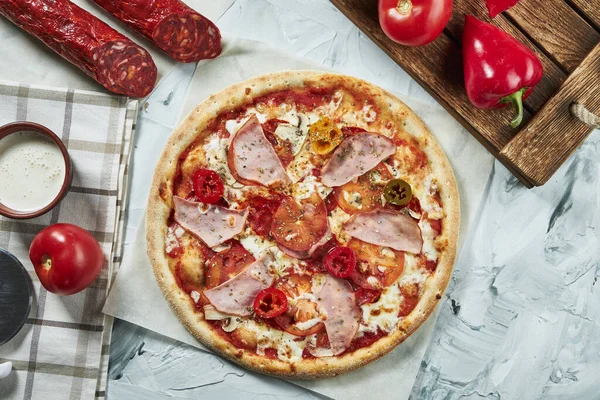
column 174, row 27
column 110, row 58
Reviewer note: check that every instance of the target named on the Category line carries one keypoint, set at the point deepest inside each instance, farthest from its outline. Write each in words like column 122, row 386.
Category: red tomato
column 385, row 266
column 368, row 189
column 414, row 22
column 261, row 213
column 299, row 226
column 340, row 262
column 303, row 310
column 223, row 266
column 270, row 303
column 208, row 186
column 66, row 258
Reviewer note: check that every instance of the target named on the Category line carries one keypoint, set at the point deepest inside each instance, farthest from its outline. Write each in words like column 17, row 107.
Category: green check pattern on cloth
column 62, row 351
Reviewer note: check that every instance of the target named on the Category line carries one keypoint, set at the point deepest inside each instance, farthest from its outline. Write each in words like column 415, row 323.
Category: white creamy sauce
column 32, row 171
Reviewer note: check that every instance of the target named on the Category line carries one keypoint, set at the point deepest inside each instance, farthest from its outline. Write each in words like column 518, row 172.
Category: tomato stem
column 517, row 100
column 46, row 262
column 404, row 7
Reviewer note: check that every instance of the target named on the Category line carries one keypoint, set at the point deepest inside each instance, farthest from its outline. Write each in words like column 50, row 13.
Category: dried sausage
column 110, row 58
column 175, row 28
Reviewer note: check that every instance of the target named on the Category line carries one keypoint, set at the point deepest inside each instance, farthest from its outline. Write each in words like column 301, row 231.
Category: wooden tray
column 566, row 37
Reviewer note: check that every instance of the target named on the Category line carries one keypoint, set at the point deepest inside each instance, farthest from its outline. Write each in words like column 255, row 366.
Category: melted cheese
column 383, row 313
column 337, row 218
column 295, row 133
column 308, row 324
column 411, row 273
column 288, row 347
column 310, row 184
column 428, row 240
column 301, row 165
column 255, row 244
column 195, row 296
column 368, row 114
column 428, row 201
column 216, row 156
column 171, row 241
column 233, row 125
column 353, row 198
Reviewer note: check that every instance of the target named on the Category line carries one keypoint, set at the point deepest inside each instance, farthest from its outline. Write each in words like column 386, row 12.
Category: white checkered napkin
column 62, row 352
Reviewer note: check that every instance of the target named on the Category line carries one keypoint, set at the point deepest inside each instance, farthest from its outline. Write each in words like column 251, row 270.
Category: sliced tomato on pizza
column 262, row 210
column 377, row 267
column 300, row 227
column 223, row 266
column 365, row 194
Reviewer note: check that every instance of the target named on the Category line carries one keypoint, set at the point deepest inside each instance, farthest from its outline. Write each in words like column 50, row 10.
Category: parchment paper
column 135, row 297
column 26, row 59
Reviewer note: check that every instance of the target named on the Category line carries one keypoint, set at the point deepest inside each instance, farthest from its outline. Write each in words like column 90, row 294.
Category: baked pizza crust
column 160, row 205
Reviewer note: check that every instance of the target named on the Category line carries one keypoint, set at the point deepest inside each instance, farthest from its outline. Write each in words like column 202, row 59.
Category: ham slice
column 237, row 295
column 252, row 157
column 213, row 224
column 336, row 299
column 386, row 228
column 356, row 156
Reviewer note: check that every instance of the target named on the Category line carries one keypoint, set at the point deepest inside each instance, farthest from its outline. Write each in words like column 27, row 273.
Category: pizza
column 302, row 224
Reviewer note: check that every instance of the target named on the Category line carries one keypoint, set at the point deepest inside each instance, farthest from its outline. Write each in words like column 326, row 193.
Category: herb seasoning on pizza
column 302, row 224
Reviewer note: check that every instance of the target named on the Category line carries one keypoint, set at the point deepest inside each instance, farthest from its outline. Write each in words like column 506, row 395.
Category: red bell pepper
column 498, row 68
column 495, row 7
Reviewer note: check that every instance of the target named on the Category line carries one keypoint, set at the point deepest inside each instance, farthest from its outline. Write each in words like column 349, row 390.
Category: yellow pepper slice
column 324, row 136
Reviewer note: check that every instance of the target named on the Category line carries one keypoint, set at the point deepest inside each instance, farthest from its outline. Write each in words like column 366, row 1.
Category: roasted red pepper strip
column 498, row 68
column 495, row 7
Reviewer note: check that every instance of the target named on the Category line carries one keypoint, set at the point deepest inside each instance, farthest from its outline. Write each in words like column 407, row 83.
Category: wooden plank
column 553, row 134
column 590, row 8
column 438, row 68
column 553, row 75
column 557, row 29
column 561, row 32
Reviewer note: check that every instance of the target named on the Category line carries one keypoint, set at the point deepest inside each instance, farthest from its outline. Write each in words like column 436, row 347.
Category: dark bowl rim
column 20, row 126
